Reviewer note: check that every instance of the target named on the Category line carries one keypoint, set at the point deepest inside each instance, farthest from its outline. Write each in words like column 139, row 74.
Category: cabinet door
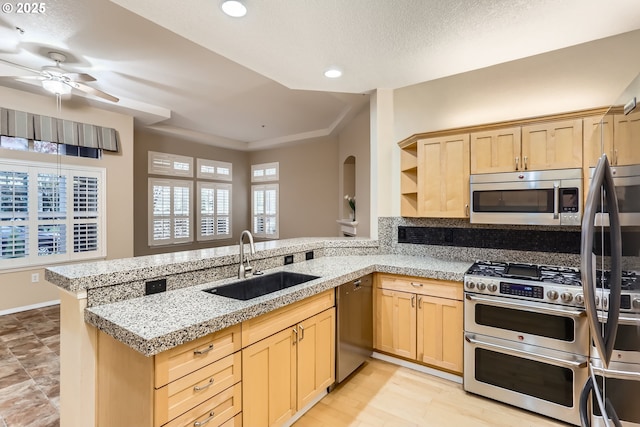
column 495, row 151
column 439, row 333
column 316, row 355
column 626, row 134
column 552, row 145
column 396, row 323
column 269, row 380
column 598, row 138
column 443, row 177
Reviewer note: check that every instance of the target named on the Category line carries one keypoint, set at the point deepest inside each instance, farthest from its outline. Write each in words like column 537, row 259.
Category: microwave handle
column 556, row 202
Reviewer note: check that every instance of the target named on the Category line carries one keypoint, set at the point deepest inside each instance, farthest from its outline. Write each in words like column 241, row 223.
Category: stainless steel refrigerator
column 610, row 267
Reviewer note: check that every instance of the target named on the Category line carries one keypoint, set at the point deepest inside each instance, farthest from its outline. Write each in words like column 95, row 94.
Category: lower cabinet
column 420, row 319
column 285, row 371
column 259, row 373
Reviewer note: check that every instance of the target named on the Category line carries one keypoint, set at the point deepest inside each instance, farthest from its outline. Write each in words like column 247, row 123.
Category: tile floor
column 30, row 368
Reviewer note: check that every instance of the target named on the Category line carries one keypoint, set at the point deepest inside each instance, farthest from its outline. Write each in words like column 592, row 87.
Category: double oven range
column 527, row 340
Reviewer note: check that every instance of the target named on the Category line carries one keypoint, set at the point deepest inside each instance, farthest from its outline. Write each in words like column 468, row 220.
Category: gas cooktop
column 567, row 276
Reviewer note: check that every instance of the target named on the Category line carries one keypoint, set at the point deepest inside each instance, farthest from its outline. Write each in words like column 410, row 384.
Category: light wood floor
column 385, row 395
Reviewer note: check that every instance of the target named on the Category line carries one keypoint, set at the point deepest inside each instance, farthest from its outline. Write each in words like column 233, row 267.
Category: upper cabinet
column 552, row 145
column 496, row 151
column 613, row 135
column 409, row 180
column 626, row 132
column 443, row 177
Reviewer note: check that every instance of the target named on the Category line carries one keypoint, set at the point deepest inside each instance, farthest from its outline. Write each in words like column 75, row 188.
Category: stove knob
column 470, row 285
column 597, row 301
column 566, row 296
column 636, row 303
column 481, row 286
column 493, row 287
column 552, row 295
column 579, row 299
column 604, row 302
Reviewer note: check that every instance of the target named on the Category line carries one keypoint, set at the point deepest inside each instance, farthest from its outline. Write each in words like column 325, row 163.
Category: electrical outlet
column 308, row 255
column 288, row 259
column 155, row 286
column 35, row 277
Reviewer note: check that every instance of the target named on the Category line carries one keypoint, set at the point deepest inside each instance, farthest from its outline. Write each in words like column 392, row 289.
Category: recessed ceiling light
column 333, row 73
column 234, row 8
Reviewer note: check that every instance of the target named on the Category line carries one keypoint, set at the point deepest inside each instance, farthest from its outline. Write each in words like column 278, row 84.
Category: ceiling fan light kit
column 56, row 87
column 234, row 8
column 56, row 80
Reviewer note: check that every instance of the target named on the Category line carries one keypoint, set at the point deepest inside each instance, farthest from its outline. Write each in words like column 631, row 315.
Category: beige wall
column 241, row 210
column 585, row 76
column 308, row 182
column 354, row 140
column 16, row 287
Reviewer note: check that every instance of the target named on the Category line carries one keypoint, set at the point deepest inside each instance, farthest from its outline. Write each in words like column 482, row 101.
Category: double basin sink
column 260, row 285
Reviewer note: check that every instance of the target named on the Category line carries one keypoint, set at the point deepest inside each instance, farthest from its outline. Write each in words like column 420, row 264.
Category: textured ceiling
column 185, row 69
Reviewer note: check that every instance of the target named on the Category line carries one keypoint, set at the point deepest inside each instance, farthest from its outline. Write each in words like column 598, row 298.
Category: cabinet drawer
column 421, row 286
column 215, row 411
column 258, row 328
column 186, row 358
column 187, row 392
column 233, row 422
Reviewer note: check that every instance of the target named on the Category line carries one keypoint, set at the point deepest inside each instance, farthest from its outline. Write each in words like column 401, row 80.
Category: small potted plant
column 352, row 205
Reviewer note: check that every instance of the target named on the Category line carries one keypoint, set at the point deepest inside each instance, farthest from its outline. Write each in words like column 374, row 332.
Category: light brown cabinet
column 443, row 177
column 420, row 319
column 191, row 383
column 284, row 371
column 626, row 133
column 552, row 145
column 497, row 150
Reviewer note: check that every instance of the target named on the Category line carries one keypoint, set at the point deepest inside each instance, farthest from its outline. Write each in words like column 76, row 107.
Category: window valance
column 42, row 128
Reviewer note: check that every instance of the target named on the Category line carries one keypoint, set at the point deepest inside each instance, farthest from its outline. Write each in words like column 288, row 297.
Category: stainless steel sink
column 261, row 285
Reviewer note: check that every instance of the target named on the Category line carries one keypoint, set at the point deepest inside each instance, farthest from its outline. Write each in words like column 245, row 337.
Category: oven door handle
column 613, row 373
column 524, row 307
column 623, row 320
column 527, row 355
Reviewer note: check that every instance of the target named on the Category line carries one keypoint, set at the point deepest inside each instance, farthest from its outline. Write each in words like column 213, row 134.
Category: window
column 169, row 206
column 265, row 210
column 170, row 164
column 50, row 213
column 265, row 172
column 214, row 211
column 23, row 144
column 265, row 200
column 212, row 169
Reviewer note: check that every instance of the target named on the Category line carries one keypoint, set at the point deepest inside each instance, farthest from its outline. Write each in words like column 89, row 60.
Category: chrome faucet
column 242, row 269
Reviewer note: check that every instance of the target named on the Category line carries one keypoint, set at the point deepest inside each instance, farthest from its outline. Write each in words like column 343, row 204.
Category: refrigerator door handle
column 602, row 177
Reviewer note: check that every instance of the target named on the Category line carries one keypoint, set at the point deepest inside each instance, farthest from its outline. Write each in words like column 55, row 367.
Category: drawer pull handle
column 205, row 421
column 204, row 387
column 204, row 351
column 416, row 285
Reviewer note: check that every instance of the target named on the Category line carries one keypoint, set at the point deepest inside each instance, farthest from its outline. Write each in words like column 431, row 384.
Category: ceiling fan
column 56, row 80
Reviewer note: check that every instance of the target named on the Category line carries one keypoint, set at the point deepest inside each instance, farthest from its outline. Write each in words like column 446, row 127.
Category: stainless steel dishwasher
column 354, row 331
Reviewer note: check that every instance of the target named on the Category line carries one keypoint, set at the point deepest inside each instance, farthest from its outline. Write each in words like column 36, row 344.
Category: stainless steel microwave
column 552, row 197
column 627, row 182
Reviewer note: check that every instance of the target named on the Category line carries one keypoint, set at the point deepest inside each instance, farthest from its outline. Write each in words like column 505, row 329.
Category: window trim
column 215, row 175
column 154, row 169
column 265, row 187
column 172, row 183
column 33, row 168
column 215, row 186
column 264, row 167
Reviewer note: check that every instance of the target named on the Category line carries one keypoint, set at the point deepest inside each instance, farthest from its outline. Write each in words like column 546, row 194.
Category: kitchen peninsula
column 104, row 304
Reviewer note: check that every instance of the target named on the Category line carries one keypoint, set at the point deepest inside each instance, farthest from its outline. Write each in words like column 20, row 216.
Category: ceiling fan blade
column 25, row 77
column 93, row 91
column 80, row 77
column 31, row 70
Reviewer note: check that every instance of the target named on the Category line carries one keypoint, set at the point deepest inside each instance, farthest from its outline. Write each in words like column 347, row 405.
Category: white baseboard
column 418, row 367
column 29, row 307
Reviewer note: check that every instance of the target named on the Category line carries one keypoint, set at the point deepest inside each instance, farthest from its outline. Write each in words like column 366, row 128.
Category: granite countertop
column 156, row 323
column 79, row 277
